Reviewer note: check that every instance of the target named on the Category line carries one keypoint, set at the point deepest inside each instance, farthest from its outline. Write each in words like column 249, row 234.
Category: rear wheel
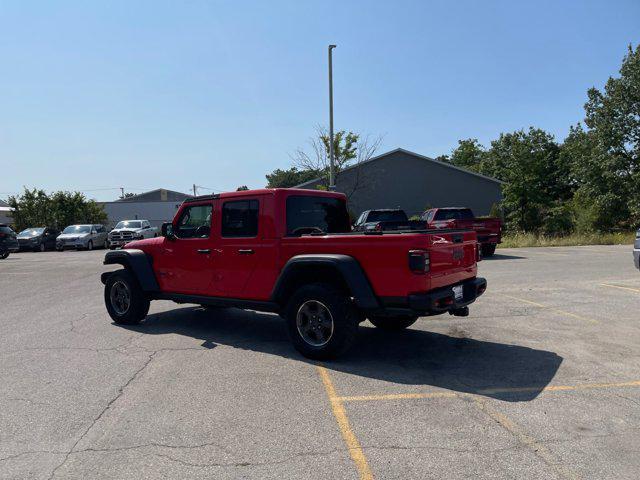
column 4, row 255
column 488, row 249
column 90, row 245
column 126, row 303
column 322, row 321
column 395, row 323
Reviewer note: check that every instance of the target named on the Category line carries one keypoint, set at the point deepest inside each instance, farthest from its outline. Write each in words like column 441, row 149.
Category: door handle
column 245, row 251
column 204, row 251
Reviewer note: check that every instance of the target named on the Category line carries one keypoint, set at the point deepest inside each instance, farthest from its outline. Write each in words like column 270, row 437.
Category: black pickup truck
column 386, row 219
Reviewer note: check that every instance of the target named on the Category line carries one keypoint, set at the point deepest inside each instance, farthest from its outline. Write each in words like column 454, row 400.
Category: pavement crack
column 244, row 464
column 104, row 410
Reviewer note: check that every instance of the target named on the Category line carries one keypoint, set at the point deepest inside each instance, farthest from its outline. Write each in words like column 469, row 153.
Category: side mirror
column 167, row 231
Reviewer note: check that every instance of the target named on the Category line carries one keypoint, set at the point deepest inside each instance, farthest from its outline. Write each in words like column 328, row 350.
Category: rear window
column 390, row 216
column 240, row 218
column 315, row 214
column 451, row 214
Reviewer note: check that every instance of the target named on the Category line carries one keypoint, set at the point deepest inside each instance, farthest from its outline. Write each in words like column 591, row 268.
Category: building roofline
column 133, row 198
column 409, row 152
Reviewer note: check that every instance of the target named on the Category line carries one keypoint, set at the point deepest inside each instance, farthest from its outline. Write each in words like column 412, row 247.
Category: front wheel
column 126, row 302
column 395, row 323
column 322, row 321
column 40, row 248
column 4, row 255
column 90, row 245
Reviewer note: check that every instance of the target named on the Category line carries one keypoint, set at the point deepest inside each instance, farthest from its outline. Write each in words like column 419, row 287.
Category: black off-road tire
column 488, row 249
column 343, row 313
column 393, row 324
column 138, row 305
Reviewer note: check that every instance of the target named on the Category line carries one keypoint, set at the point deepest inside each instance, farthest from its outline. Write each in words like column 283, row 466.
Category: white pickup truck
column 129, row 230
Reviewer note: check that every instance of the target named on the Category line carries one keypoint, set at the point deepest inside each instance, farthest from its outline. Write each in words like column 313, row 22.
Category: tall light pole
column 332, row 168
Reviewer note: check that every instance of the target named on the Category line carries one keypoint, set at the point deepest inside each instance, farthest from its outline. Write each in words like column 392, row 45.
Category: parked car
column 636, row 250
column 128, row 230
column 489, row 230
column 385, row 219
column 292, row 251
column 8, row 241
column 80, row 237
column 38, row 239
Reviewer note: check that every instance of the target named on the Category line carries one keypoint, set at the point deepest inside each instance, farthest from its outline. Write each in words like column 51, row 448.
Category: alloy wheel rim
column 315, row 323
column 120, row 297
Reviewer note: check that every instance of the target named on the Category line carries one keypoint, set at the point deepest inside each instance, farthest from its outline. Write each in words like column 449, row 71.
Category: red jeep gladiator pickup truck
column 489, row 230
column 292, row 251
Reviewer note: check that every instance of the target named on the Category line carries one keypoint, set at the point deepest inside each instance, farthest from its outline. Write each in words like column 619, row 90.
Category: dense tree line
column 36, row 208
column 590, row 182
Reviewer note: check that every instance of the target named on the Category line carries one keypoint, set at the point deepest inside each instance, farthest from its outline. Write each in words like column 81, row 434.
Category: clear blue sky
column 167, row 94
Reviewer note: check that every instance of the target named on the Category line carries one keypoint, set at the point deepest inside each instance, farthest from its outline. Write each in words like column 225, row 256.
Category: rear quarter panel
column 384, row 258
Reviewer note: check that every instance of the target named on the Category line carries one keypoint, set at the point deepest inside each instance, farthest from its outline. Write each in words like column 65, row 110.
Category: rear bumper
column 437, row 301
column 491, row 238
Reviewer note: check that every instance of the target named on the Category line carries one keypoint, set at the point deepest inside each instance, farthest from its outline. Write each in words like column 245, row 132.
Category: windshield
column 387, row 216
column 129, row 224
column 315, row 214
column 77, row 229
column 31, row 232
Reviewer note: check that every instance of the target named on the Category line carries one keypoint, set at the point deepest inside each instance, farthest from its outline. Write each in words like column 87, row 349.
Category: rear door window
column 240, row 218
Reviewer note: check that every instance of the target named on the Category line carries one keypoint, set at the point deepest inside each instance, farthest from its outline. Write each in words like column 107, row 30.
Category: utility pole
column 122, row 192
column 332, row 168
column 195, row 194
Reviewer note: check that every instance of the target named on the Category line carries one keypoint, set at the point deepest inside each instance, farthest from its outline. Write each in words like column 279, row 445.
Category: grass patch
column 519, row 240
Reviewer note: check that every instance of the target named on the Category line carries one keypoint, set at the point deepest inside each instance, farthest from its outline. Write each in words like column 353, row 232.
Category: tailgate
column 453, row 257
column 488, row 229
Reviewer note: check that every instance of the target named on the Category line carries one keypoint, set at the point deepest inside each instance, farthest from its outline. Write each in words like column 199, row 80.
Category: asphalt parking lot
column 541, row 381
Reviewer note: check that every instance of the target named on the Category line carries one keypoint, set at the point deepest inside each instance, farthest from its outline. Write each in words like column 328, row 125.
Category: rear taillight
column 419, row 261
column 2, row 235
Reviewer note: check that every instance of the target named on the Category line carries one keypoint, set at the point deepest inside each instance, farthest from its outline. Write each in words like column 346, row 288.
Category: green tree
column 470, row 155
column 536, row 181
column 35, row 208
column 290, row 177
column 605, row 158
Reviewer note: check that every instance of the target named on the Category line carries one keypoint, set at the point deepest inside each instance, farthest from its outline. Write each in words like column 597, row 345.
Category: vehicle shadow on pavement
column 501, row 256
column 451, row 361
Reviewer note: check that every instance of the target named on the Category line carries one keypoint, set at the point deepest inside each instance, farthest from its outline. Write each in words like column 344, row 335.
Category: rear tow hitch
column 460, row 312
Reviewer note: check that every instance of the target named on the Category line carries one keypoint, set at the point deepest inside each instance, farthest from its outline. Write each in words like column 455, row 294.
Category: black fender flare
column 135, row 261
column 345, row 265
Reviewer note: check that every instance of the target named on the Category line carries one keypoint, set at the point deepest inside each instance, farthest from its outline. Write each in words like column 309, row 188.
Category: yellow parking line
column 488, row 391
column 524, row 438
column 556, row 310
column 339, row 412
column 637, row 290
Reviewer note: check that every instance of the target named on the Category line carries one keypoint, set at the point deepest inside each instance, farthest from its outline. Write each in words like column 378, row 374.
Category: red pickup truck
column 292, row 251
column 489, row 230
